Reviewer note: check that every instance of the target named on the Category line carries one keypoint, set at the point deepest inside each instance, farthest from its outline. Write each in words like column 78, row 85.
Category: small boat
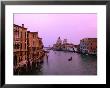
column 46, row 51
column 70, row 59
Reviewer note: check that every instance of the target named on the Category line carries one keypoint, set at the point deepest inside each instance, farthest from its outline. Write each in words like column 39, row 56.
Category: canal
column 58, row 64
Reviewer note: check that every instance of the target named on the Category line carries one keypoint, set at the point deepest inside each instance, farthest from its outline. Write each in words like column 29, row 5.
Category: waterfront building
column 40, row 49
column 40, row 43
column 88, row 45
column 69, row 46
column 58, row 44
column 35, row 45
column 63, row 45
column 77, row 48
column 32, row 45
column 65, row 41
column 54, row 46
column 28, row 46
column 59, row 41
column 20, row 45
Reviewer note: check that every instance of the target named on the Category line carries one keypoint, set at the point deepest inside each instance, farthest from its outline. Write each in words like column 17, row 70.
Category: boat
column 70, row 59
column 46, row 51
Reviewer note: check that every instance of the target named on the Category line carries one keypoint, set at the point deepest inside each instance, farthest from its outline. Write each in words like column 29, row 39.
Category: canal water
column 58, row 64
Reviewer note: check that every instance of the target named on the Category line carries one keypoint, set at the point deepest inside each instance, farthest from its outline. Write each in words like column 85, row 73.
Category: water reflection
column 56, row 63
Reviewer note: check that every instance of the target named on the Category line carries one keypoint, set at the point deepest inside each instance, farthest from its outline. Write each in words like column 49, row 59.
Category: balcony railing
column 16, row 50
column 16, row 39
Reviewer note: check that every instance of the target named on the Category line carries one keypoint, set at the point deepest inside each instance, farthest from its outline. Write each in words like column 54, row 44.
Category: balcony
column 16, row 50
column 16, row 39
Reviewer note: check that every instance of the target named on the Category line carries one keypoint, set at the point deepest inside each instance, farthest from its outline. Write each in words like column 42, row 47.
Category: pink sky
column 50, row 26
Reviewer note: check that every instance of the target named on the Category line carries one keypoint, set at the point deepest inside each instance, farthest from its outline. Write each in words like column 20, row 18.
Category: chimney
column 23, row 25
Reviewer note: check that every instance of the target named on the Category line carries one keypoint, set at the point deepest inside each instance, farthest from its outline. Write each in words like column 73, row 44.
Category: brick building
column 88, row 45
column 35, row 45
column 27, row 46
column 20, row 45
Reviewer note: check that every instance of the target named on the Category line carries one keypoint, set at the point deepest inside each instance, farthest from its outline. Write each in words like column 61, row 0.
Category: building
column 40, row 43
column 59, row 41
column 69, row 47
column 88, row 45
column 64, row 41
column 35, row 47
column 40, row 49
column 28, row 47
column 77, row 48
column 63, row 45
column 32, row 45
column 20, row 45
column 58, row 44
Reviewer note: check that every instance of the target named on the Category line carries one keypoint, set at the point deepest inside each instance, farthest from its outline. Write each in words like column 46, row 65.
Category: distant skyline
column 72, row 27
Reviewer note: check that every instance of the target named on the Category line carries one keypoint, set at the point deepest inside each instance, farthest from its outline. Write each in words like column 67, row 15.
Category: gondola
column 70, row 59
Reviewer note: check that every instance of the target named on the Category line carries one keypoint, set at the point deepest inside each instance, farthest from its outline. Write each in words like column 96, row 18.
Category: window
column 14, row 46
column 34, row 48
column 94, row 51
column 21, row 34
column 21, row 54
column 17, row 46
column 33, row 35
column 91, row 47
column 19, row 59
column 33, row 43
column 21, row 45
column 25, row 45
column 25, row 34
column 18, row 33
column 25, row 53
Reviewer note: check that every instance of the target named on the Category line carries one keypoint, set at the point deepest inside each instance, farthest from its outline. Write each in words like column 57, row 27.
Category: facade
column 35, row 46
column 20, row 45
column 69, row 46
column 64, row 41
column 54, row 46
column 28, row 47
column 77, row 48
column 40, row 43
column 58, row 44
column 88, row 45
column 32, row 45
column 63, row 45
column 40, row 50
column 59, row 41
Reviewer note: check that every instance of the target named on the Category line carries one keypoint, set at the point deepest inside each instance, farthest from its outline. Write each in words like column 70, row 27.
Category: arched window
column 16, row 46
